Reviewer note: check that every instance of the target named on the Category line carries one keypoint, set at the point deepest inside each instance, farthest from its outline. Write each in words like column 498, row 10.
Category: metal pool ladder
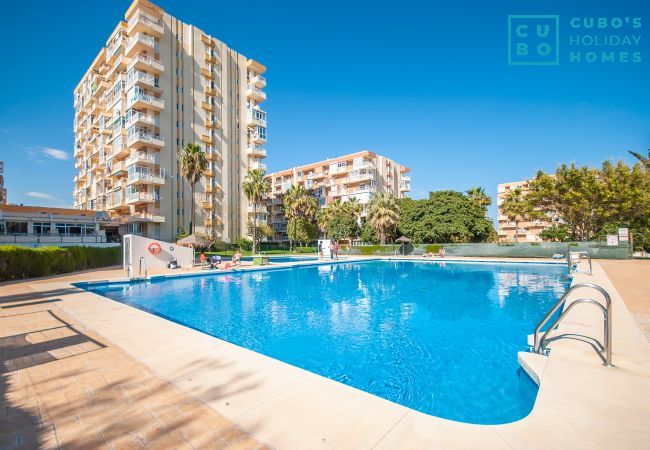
column 580, row 254
column 603, row 350
column 143, row 262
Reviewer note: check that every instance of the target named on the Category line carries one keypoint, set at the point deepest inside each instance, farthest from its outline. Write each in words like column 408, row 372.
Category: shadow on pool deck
column 64, row 387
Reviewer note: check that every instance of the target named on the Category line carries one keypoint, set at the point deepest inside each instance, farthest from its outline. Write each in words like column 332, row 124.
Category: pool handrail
column 538, row 344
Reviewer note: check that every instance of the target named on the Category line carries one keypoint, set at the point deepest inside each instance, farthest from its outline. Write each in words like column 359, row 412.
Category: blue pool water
column 441, row 338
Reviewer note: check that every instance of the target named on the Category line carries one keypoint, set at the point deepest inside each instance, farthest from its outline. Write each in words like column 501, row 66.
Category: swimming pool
column 283, row 259
column 441, row 338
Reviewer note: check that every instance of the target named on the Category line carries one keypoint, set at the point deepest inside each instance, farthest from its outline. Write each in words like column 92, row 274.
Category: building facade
column 157, row 85
column 527, row 231
column 3, row 190
column 360, row 175
column 37, row 226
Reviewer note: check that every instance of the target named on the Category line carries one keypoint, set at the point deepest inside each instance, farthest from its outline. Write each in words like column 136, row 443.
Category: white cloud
column 55, row 153
column 41, row 195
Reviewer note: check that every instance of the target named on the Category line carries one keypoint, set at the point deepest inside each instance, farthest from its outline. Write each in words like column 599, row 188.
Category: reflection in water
column 420, row 334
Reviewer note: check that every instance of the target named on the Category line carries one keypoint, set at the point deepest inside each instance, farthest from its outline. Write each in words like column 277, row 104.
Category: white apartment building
column 358, row 175
column 157, row 85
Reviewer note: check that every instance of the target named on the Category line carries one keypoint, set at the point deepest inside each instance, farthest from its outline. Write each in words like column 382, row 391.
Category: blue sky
column 425, row 83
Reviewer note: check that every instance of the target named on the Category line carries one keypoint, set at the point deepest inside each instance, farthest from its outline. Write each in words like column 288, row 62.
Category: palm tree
column 298, row 204
column 193, row 163
column 478, row 196
column 516, row 208
column 354, row 207
column 256, row 187
column 323, row 218
column 383, row 214
column 645, row 160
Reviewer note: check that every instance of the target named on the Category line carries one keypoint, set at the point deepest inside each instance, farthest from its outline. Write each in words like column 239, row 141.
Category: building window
column 16, row 227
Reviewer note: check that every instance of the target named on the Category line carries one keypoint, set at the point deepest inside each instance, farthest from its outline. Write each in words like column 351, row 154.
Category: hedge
column 24, row 262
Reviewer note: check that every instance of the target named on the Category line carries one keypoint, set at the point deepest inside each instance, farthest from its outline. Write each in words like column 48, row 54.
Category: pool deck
column 252, row 398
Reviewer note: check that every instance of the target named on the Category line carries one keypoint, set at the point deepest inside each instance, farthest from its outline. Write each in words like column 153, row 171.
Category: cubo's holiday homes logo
column 535, row 40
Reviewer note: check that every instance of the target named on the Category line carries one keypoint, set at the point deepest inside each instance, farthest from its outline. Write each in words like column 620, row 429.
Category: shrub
column 23, row 262
column 375, row 249
column 245, row 244
column 433, row 248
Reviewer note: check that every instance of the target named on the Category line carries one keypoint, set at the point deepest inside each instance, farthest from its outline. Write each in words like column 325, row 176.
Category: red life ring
column 154, row 248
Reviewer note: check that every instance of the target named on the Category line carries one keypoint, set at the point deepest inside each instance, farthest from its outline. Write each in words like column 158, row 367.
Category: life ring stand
column 154, row 248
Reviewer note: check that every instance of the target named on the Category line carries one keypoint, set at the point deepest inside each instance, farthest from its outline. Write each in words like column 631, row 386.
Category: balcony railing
column 256, row 150
column 140, row 158
column 258, row 165
column 154, row 178
column 145, row 78
column 147, row 99
column 147, row 138
column 140, row 117
column 255, row 92
column 140, row 38
column 148, row 61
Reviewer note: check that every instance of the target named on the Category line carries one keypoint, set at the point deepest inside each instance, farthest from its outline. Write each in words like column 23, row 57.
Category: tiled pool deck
column 80, row 370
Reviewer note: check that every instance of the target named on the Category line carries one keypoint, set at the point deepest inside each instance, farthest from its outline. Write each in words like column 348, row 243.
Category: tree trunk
column 382, row 237
column 254, row 226
column 192, row 215
column 516, row 230
column 295, row 233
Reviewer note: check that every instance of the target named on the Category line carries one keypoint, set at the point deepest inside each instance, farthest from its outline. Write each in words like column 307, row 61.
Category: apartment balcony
column 142, row 79
column 361, row 177
column 118, row 168
column 258, row 81
column 115, row 202
column 257, row 137
column 406, row 178
column 212, row 156
column 207, row 139
column 212, row 190
column 140, row 43
column 257, row 165
column 145, row 62
column 119, row 150
column 208, row 74
column 255, row 117
column 141, row 119
column 135, row 198
column 145, row 23
column 256, row 150
column 101, row 86
column 141, row 100
column 255, row 93
column 211, row 59
column 212, row 124
column 146, row 178
column 210, row 91
column 208, row 173
column 405, row 187
column 207, row 204
column 141, row 139
column 208, row 107
column 206, row 40
column 141, row 158
column 365, row 164
column 143, row 217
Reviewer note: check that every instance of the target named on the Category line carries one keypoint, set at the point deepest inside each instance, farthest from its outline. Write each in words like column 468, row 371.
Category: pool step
column 534, row 364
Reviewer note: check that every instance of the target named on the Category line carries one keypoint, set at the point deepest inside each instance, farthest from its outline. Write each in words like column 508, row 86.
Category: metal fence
column 514, row 250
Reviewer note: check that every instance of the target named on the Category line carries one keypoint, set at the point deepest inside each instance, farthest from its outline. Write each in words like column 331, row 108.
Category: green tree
column 298, row 204
column 302, row 230
column 368, row 234
column 256, row 187
column 446, row 216
column 260, row 231
column 383, row 214
column 478, row 196
column 556, row 233
column 518, row 209
column 343, row 226
column 193, row 164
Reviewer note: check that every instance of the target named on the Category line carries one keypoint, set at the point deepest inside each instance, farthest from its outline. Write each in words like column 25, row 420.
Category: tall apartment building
column 3, row 190
column 528, row 231
column 157, row 85
column 360, row 175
